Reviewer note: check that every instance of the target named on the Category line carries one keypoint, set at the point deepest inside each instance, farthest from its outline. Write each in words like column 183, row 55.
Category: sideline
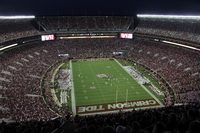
column 72, row 91
column 141, row 85
column 55, row 98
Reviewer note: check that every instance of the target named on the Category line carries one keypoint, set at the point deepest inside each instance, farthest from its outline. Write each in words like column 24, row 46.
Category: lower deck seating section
column 179, row 67
column 22, row 69
column 179, row 119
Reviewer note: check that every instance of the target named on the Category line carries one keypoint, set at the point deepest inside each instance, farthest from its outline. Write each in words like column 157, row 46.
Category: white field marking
column 117, row 80
column 123, row 110
column 142, row 86
column 98, row 89
column 72, row 91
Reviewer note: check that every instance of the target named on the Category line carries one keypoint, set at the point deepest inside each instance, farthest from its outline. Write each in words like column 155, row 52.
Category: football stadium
column 100, row 74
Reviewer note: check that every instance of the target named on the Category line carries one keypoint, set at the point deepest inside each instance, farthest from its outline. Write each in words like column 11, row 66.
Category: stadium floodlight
column 17, row 17
column 178, row 44
column 168, row 16
column 9, row 46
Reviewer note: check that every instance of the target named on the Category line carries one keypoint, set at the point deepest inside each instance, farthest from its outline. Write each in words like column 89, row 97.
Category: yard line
column 142, row 86
column 97, row 82
column 121, row 94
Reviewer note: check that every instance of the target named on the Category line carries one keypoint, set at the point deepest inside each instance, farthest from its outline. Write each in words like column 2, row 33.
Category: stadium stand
column 85, row 23
column 22, row 68
column 186, row 30
column 27, row 66
column 179, row 67
column 170, row 63
column 179, row 119
column 17, row 29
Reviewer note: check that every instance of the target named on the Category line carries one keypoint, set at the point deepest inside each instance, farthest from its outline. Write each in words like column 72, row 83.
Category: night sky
column 98, row 7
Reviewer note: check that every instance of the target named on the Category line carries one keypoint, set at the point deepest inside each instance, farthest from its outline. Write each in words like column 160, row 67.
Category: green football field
column 103, row 85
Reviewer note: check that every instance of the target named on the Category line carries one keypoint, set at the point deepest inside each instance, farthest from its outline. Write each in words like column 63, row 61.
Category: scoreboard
column 126, row 35
column 123, row 35
column 47, row 37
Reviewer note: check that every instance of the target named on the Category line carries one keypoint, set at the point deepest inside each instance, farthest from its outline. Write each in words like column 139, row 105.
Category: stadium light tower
column 18, row 17
column 168, row 16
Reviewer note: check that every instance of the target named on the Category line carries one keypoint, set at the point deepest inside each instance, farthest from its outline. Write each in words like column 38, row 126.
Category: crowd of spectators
column 179, row 119
column 85, row 23
column 178, row 29
column 10, row 30
column 21, row 93
column 22, row 69
column 179, row 67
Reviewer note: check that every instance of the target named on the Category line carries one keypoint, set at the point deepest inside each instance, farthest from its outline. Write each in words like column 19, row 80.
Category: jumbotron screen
column 47, row 37
column 126, row 35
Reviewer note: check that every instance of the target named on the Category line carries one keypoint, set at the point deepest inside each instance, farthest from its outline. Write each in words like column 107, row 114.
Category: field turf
column 99, row 82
